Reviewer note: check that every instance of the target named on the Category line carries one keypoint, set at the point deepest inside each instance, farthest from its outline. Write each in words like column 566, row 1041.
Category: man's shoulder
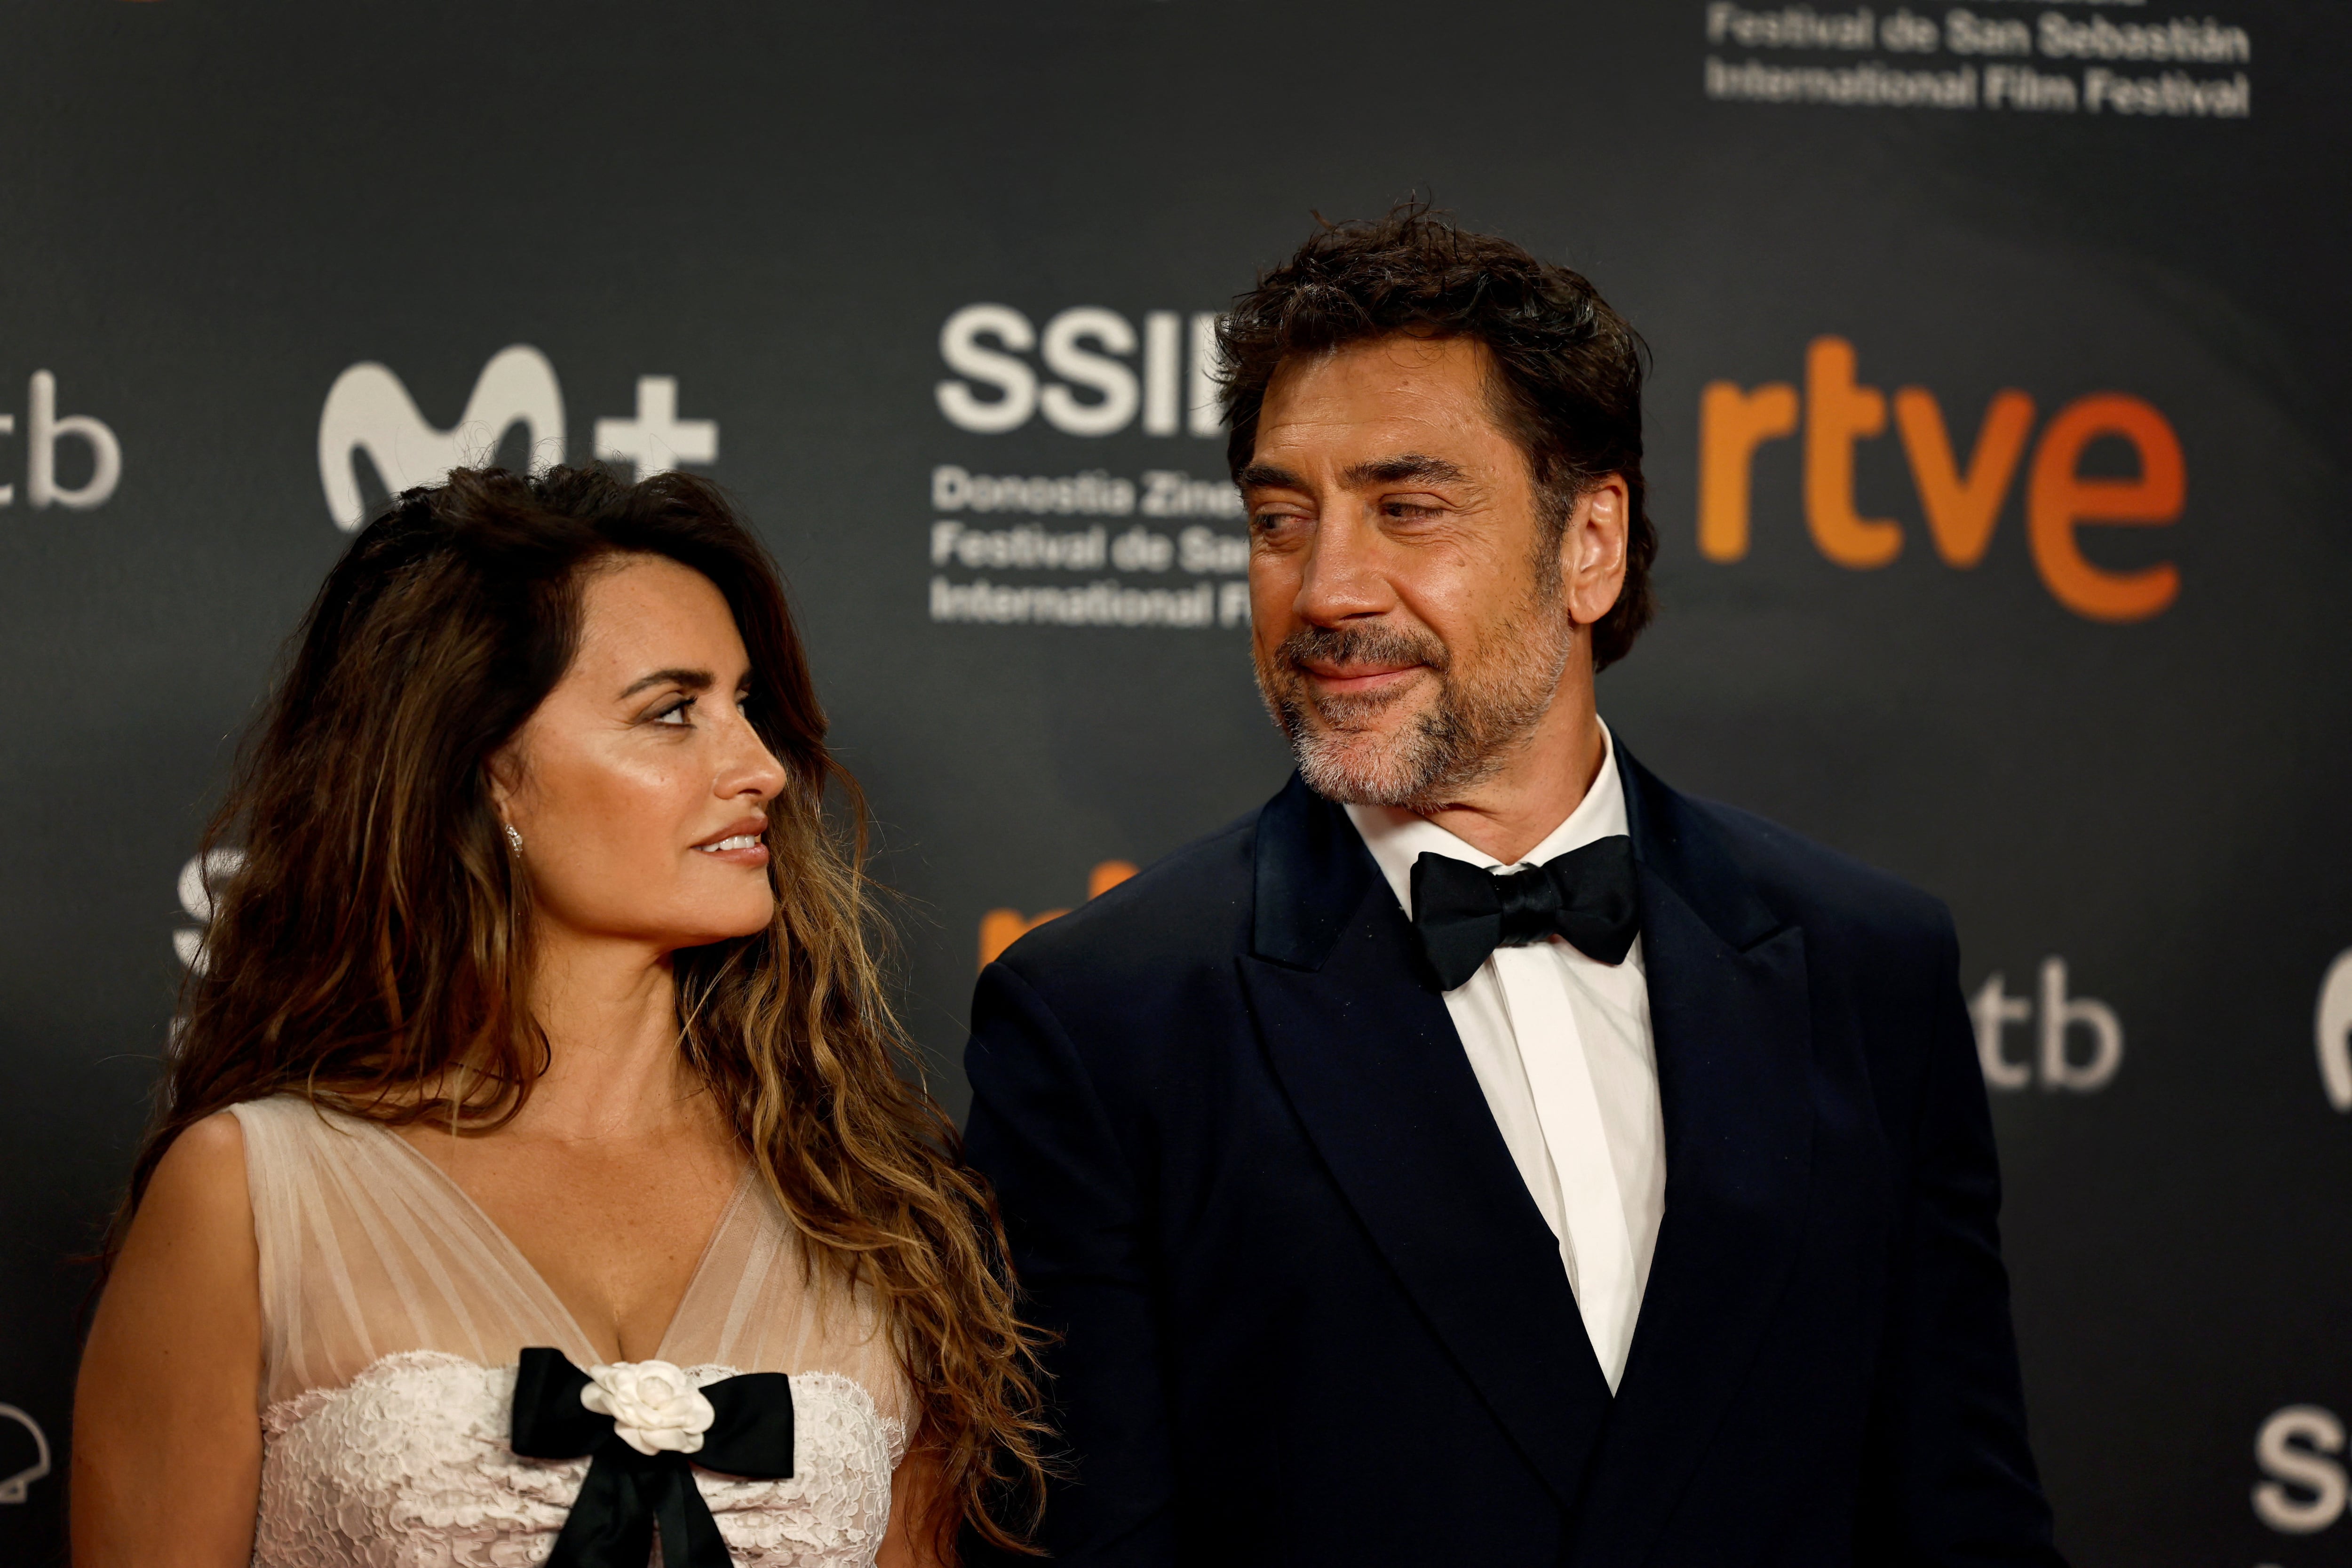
column 1834, row 895
column 1189, row 908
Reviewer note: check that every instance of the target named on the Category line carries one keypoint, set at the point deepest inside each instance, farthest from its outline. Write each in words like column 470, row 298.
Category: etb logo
column 47, row 434
column 2078, row 1044
column 1095, row 372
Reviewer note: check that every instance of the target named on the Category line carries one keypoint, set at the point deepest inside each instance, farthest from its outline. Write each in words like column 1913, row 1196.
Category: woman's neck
column 614, row 1069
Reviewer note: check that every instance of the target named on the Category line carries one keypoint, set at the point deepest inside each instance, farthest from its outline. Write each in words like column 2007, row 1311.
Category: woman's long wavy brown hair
column 374, row 945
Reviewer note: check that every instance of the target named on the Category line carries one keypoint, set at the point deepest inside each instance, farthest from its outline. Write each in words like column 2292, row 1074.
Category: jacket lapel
column 1368, row 1055
column 1730, row 1013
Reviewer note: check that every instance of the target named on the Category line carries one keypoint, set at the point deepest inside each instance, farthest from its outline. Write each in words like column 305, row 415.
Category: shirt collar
column 1397, row 837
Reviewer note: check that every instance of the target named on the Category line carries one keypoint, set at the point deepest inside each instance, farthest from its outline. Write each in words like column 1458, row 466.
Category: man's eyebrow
column 1411, row 466
column 1266, row 475
column 692, row 679
column 1380, row 472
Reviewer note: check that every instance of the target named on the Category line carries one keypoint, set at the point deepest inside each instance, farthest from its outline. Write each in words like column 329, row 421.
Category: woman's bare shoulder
column 199, row 1184
column 167, row 1439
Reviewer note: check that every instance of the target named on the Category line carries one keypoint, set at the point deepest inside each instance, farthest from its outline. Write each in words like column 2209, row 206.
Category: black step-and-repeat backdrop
column 1997, row 444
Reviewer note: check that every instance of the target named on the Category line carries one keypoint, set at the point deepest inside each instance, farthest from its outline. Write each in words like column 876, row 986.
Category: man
column 1483, row 1154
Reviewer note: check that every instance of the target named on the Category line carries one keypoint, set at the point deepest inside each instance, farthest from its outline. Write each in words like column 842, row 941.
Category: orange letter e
column 2058, row 500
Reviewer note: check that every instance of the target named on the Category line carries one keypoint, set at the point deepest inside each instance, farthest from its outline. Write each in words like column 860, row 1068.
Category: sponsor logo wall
column 1996, row 449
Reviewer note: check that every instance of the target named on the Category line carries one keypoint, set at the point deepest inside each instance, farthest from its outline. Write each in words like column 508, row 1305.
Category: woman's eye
column 675, row 713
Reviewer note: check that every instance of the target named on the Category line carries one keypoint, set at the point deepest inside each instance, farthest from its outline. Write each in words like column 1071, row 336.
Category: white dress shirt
column 1561, row 1046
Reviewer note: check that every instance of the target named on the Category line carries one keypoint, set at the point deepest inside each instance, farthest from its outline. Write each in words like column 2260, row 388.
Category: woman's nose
column 750, row 768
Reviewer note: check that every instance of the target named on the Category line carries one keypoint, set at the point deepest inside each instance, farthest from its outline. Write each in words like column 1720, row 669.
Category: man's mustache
column 1346, row 645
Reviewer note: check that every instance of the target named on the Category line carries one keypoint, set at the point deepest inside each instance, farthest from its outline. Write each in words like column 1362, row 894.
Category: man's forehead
column 1400, row 363
column 1388, row 408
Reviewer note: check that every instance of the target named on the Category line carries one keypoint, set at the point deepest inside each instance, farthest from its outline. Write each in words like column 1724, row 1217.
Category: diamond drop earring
column 514, row 839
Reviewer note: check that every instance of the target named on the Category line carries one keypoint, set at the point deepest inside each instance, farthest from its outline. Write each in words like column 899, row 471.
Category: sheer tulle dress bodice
column 394, row 1314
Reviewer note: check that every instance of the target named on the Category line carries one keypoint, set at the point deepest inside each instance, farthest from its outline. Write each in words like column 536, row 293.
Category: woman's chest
column 617, row 1238
column 409, row 1466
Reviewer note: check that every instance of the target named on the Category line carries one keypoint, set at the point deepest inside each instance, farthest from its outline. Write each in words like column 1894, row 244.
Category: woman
column 537, row 1094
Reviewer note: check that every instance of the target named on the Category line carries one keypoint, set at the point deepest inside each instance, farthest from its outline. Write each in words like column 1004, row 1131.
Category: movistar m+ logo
column 368, row 410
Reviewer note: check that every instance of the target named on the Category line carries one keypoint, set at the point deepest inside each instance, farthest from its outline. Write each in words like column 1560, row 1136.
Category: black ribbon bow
column 625, row 1494
column 1463, row 912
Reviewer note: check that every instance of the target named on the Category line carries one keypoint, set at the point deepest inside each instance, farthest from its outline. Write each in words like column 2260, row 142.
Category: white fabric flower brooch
column 654, row 1407
column 635, row 1423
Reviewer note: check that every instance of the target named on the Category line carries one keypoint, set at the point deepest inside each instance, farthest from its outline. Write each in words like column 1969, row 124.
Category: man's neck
column 1544, row 779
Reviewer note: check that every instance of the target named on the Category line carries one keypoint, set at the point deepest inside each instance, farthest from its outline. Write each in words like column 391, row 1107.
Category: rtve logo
column 1961, row 503
column 2055, row 1058
column 1087, row 348
column 368, row 410
column 999, row 929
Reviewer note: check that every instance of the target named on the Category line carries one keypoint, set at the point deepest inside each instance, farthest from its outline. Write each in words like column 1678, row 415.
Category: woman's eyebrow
column 692, row 679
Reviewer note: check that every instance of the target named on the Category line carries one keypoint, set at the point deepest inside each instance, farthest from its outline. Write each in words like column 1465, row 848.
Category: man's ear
column 1592, row 549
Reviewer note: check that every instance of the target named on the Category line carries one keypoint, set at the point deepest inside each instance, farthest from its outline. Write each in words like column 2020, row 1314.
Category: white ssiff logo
column 368, row 410
column 2304, row 1491
column 1095, row 391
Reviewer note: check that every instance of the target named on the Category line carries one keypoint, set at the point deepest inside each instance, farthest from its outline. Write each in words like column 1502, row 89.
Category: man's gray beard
column 1455, row 743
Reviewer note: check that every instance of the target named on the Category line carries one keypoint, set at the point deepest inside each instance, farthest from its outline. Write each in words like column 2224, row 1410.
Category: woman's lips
column 735, row 851
column 737, row 844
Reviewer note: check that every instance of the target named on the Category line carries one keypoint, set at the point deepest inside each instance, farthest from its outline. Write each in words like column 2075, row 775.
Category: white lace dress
column 395, row 1312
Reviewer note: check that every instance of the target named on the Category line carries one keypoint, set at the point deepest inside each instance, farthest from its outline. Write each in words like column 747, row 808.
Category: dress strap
column 368, row 1251
column 282, row 1182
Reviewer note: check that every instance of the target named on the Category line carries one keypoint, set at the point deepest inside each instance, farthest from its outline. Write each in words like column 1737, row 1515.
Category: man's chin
column 1360, row 750
column 1360, row 768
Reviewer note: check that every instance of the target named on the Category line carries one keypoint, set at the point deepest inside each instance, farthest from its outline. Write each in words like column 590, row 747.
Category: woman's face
column 640, row 790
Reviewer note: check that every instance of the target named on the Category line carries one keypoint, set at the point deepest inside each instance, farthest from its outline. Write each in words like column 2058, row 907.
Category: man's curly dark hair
column 1567, row 381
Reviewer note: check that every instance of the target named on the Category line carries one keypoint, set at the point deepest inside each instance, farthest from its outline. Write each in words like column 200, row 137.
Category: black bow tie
column 625, row 1493
column 1465, row 912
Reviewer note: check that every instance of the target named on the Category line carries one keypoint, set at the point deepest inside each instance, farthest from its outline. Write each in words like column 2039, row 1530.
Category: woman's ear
column 504, row 772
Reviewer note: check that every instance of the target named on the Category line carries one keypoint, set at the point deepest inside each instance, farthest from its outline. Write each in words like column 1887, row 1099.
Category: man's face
column 1407, row 608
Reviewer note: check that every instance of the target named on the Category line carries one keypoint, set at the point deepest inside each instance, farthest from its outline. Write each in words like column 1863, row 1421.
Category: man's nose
column 1341, row 578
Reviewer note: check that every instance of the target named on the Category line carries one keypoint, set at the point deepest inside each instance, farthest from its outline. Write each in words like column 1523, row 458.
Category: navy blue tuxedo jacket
column 1307, row 1313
